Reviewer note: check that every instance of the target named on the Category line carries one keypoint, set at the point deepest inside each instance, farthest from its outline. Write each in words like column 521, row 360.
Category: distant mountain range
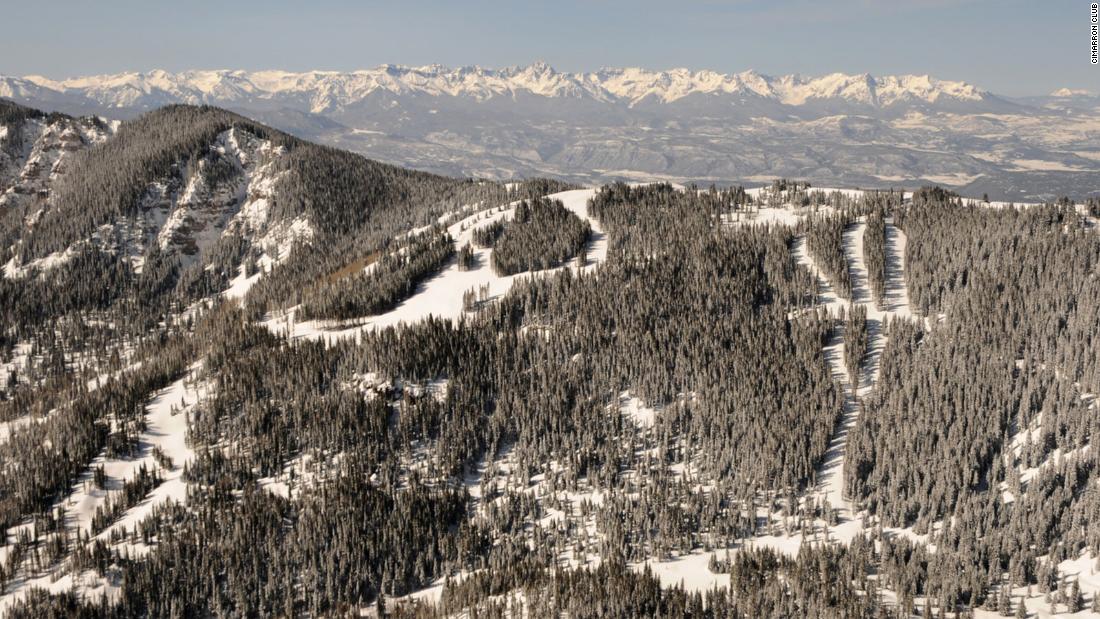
column 327, row 91
column 642, row 124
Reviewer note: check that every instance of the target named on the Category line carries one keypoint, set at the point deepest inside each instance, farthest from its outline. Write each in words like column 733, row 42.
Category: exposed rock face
column 232, row 188
column 33, row 152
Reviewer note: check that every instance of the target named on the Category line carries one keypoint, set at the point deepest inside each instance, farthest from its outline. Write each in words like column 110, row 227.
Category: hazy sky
column 1013, row 47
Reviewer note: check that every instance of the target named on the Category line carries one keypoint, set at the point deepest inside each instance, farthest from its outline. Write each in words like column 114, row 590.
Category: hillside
column 247, row 375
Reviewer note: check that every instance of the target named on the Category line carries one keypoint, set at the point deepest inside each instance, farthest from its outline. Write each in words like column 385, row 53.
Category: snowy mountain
column 328, row 90
column 1072, row 92
column 34, row 151
column 639, row 124
column 242, row 374
column 200, row 187
column 227, row 188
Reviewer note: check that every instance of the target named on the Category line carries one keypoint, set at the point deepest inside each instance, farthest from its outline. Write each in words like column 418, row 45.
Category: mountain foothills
column 243, row 374
column 637, row 124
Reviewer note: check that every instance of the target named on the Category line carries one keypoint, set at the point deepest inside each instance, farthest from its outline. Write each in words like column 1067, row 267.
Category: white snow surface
column 637, row 410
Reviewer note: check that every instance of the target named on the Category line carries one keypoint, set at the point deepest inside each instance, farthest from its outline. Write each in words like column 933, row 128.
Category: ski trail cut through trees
column 830, row 478
column 166, row 418
column 857, row 267
column 896, row 294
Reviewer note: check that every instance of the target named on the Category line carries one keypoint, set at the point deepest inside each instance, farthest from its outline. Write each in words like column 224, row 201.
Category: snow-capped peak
column 1071, row 92
column 327, row 89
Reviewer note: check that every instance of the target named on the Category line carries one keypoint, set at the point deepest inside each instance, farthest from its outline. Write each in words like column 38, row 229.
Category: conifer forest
column 247, row 375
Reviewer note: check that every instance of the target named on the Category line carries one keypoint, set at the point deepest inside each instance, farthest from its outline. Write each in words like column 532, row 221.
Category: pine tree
column 1074, row 601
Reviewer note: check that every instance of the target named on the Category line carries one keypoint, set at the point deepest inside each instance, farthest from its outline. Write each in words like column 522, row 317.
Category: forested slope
column 658, row 401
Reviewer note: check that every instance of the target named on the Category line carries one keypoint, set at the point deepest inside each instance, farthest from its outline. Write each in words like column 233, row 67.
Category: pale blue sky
column 1013, row 47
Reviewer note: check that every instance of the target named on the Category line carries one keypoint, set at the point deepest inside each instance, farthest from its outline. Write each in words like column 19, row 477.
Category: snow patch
column 441, row 295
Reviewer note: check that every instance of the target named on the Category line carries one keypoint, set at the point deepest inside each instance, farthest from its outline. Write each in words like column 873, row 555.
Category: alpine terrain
column 635, row 124
column 245, row 374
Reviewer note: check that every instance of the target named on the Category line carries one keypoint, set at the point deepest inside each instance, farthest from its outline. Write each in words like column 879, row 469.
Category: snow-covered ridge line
column 629, row 85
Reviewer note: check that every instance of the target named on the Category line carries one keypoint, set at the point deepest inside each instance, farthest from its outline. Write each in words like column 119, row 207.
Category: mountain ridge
column 638, row 124
column 629, row 85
